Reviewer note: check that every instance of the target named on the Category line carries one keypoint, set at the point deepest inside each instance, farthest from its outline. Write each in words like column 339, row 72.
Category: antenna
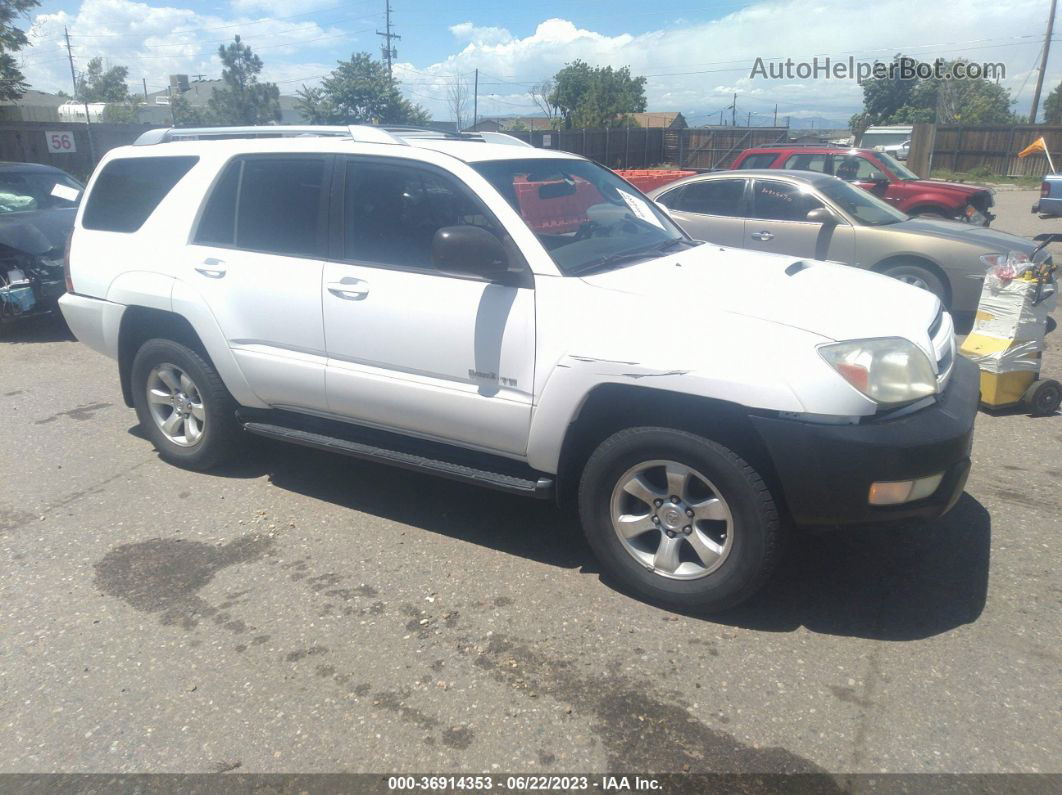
column 388, row 50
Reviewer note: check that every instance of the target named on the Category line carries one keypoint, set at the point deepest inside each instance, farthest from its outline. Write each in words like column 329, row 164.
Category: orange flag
column 1039, row 145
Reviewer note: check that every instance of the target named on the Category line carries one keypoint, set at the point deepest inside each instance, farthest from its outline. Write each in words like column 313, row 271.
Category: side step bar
column 540, row 488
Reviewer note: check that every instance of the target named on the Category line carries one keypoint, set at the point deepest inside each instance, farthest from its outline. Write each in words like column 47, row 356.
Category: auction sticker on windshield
column 640, row 208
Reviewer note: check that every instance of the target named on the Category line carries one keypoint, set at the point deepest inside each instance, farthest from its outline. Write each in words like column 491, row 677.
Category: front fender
column 574, row 377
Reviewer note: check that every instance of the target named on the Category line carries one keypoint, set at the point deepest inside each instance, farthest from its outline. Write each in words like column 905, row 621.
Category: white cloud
column 696, row 68
column 692, row 67
column 156, row 41
column 281, row 8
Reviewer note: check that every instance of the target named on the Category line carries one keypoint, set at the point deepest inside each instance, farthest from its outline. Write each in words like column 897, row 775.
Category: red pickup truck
column 882, row 175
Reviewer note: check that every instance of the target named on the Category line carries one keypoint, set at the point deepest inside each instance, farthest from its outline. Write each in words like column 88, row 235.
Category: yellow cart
column 1007, row 340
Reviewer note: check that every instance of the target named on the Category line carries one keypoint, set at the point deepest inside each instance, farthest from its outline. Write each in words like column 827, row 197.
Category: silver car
column 817, row 216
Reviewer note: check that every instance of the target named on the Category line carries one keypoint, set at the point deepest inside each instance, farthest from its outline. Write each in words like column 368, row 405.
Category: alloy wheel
column 176, row 404
column 672, row 520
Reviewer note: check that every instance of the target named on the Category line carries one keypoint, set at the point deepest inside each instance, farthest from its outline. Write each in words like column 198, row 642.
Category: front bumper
column 826, row 470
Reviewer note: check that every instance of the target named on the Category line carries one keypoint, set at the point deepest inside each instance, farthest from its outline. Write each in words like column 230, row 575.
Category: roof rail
column 503, row 138
column 367, row 133
column 359, row 132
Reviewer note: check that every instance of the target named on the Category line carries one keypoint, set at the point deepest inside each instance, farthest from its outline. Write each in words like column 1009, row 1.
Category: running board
column 540, row 488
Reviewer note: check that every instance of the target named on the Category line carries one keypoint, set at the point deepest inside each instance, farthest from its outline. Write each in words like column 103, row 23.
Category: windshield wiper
column 630, row 256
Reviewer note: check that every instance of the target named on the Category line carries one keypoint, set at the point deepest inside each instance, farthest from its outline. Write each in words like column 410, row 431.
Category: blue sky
column 696, row 54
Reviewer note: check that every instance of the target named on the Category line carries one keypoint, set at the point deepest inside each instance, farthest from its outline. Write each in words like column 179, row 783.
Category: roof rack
column 359, row 132
column 367, row 133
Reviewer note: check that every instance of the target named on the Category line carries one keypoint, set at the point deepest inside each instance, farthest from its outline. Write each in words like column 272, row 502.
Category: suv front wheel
column 182, row 404
column 678, row 519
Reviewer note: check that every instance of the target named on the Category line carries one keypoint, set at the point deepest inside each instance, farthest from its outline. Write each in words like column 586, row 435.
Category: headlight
column 999, row 260
column 888, row 370
column 973, row 215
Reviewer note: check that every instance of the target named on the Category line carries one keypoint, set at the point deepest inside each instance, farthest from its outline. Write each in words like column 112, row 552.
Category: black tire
column 1042, row 398
column 918, row 275
column 756, row 532
column 220, row 430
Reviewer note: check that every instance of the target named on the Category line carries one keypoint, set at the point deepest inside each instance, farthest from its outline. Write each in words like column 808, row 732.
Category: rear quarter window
column 129, row 189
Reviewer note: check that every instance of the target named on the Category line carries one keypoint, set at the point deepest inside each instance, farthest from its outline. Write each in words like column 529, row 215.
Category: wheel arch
column 141, row 323
column 921, row 262
column 611, row 407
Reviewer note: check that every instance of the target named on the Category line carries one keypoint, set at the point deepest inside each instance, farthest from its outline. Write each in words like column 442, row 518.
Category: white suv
column 522, row 319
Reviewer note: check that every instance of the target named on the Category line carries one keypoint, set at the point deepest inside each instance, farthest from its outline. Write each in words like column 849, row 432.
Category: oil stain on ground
column 164, row 575
column 80, row 413
column 639, row 730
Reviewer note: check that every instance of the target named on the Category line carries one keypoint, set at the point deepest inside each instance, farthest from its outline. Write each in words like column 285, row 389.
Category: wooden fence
column 619, row 147
column 638, row 147
column 995, row 147
column 27, row 142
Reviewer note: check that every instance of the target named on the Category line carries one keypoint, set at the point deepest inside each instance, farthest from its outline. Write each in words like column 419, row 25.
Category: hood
column 960, row 188
column 37, row 232
column 830, row 300
column 994, row 241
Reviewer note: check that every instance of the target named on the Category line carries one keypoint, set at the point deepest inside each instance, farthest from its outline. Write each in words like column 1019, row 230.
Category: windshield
column 864, row 207
column 37, row 190
column 895, row 166
column 585, row 216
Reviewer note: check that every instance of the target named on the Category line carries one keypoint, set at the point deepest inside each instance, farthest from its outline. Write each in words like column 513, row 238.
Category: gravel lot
column 305, row 612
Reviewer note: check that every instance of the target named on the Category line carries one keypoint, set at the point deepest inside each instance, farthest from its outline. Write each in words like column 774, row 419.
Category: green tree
column 895, row 100
column 1053, row 106
column 12, row 82
column 97, row 85
column 186, row 115
column 242, row 99
column 587, row 96
column 359, row 91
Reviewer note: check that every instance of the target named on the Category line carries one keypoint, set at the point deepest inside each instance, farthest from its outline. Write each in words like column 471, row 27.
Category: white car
column 521, row 319
column 899, row 151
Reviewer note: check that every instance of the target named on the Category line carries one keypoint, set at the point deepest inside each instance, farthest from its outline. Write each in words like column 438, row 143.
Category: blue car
column 1050, row 196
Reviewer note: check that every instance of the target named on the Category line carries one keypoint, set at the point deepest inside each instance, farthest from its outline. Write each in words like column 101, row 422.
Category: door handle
column 212, row 268
column 349, row 289
column 764, row 235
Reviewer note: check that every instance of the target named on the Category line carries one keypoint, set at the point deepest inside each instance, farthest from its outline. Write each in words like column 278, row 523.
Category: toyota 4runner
column 521, row 319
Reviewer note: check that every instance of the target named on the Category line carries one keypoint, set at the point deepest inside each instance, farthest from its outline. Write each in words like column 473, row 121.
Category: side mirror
column 469, row 250
column 822, row 215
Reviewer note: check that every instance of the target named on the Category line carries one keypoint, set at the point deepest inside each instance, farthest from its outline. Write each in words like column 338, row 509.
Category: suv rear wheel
column 182, row 405
column 678, row 519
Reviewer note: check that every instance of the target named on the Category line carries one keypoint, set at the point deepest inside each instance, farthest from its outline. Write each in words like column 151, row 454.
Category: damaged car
column 37, row 208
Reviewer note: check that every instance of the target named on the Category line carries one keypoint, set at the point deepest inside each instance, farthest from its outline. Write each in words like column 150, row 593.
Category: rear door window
column 276, row 205
column 818, row 163
column 712, row 197
column 759, row 161
column 129, row 189
column 781, row 201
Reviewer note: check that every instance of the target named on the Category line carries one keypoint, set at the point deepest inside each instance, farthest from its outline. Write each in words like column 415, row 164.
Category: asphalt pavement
column 303, row 612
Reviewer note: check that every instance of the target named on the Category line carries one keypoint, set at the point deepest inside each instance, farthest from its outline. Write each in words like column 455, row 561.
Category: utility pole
column 775, row 114
column 145, row 89
column 748, row 119
column 733, row 111
column 73, row 78
column 389, row 50
column 475, row 102
column 1043, row 64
